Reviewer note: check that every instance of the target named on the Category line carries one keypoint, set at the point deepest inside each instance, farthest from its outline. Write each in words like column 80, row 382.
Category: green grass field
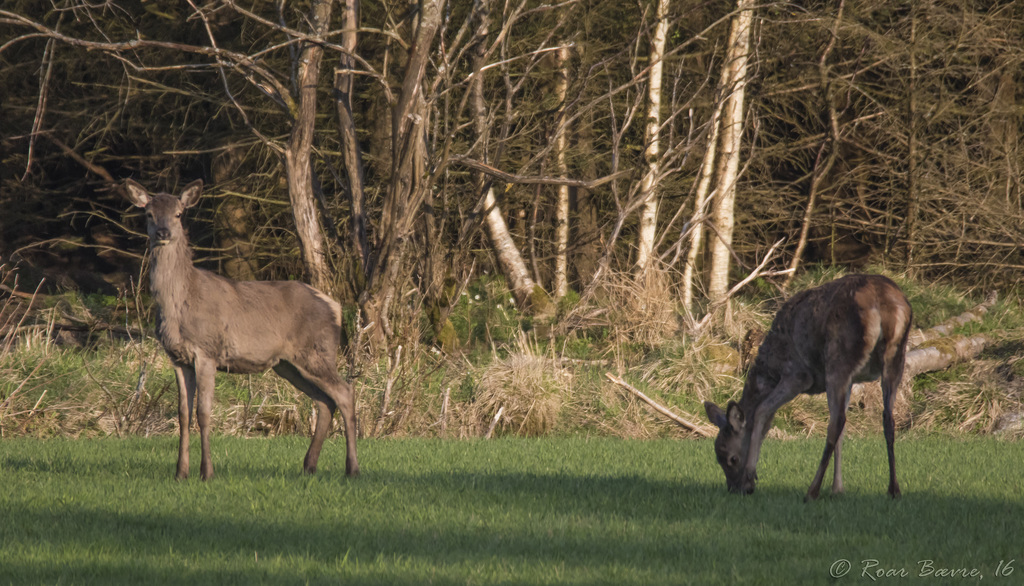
column 516, row 511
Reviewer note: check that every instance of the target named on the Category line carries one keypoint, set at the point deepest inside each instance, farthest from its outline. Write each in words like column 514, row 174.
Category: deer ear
column 715, row 414
column 735, row 416
column 190, row 195
column 136, row 193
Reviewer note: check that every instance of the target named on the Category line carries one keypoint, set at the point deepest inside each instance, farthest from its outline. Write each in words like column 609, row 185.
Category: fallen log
column 684, row 423
column 939, row 356
column 919, row 361
column 918, row 337
column 943, row 354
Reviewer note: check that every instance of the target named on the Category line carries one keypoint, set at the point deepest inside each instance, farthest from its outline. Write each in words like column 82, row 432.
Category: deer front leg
column 838, row 398
column 186, row 378
column 837, row 466
column 788, row 388
column 205, row 374
column 835, row 430
column 837, row 457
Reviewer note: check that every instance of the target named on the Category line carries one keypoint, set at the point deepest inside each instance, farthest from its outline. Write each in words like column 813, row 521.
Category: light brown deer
column 208, row 323
column 853, row 329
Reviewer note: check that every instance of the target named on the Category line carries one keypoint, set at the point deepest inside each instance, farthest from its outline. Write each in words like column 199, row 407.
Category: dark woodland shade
column 912, row 145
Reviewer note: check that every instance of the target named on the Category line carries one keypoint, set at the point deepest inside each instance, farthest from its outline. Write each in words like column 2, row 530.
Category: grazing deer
column 208, row 323
column 853, row 329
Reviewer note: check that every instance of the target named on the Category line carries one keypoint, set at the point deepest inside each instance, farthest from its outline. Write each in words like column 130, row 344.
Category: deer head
column 729, row 445
column 163, row 210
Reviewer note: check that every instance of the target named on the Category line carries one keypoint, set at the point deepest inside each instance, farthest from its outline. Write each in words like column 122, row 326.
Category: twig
column 10, row 398
column 44, row 92
column 532, row 180
column 697, row 429
column 89, row 166
column 753, row 275
column 16, row 293
column 35, row 408
column 444, row 409
column 494, row 423
column 388, row 385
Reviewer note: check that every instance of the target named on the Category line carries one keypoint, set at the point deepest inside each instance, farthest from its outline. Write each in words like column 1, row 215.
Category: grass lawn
column 562, row 511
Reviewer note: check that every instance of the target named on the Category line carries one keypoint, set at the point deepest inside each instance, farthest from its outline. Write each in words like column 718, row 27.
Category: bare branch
column 532, row 180
column 684, row 423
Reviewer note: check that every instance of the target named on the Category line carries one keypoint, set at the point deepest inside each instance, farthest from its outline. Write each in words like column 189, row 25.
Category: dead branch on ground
column 684, row 423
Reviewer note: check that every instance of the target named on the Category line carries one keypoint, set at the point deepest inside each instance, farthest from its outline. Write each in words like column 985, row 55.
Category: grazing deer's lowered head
column 822, row 340
column 207, row 323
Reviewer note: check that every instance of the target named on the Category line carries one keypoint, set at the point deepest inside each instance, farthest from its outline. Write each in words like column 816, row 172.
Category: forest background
column 574, row 180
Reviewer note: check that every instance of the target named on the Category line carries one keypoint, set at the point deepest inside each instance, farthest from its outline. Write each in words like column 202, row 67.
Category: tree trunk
column 529, row 295
column 298, row 154
column 406, row 191
column 232, row 220
column 821, row 170
column 911, row 196
column 652, row 131
column 585, row 228
column 700, row 201
column 735, row 66
column 510, row 261
column 351, row 154
column 561, row 280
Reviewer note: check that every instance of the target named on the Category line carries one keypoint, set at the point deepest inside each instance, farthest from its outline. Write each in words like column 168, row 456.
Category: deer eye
column 733, row 460
column 177, row 215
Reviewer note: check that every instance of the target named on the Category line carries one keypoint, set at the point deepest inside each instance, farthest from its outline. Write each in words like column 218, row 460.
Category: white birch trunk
column 561, row 284
column 648, row 185
column 700, row 205
column 505, row 249
column 728, row 167
column 510, row 261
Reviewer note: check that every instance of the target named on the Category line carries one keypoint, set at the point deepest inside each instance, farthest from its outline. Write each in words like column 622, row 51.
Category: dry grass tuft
column 695, row 369
column 988, row 401
column 635, row 310
column 529, row 389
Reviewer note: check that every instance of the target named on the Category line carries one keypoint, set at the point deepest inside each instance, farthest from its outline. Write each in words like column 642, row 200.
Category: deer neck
column 171, row 276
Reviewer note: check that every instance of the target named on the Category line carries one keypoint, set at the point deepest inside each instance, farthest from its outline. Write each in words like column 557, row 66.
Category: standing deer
column 208, row 323
column 853, row 329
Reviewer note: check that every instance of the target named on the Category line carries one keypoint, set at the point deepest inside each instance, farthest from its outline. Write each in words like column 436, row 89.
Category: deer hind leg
column 892, row 375
column 206, row 373
column 186, row 378
column 343, row 396
column 315, row 388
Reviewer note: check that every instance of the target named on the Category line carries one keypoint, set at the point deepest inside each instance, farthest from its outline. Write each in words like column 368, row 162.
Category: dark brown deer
column 853, row 329
column 208, row 323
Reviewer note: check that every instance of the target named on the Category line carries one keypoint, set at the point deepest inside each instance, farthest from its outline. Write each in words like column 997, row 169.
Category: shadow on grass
column 261, row 523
